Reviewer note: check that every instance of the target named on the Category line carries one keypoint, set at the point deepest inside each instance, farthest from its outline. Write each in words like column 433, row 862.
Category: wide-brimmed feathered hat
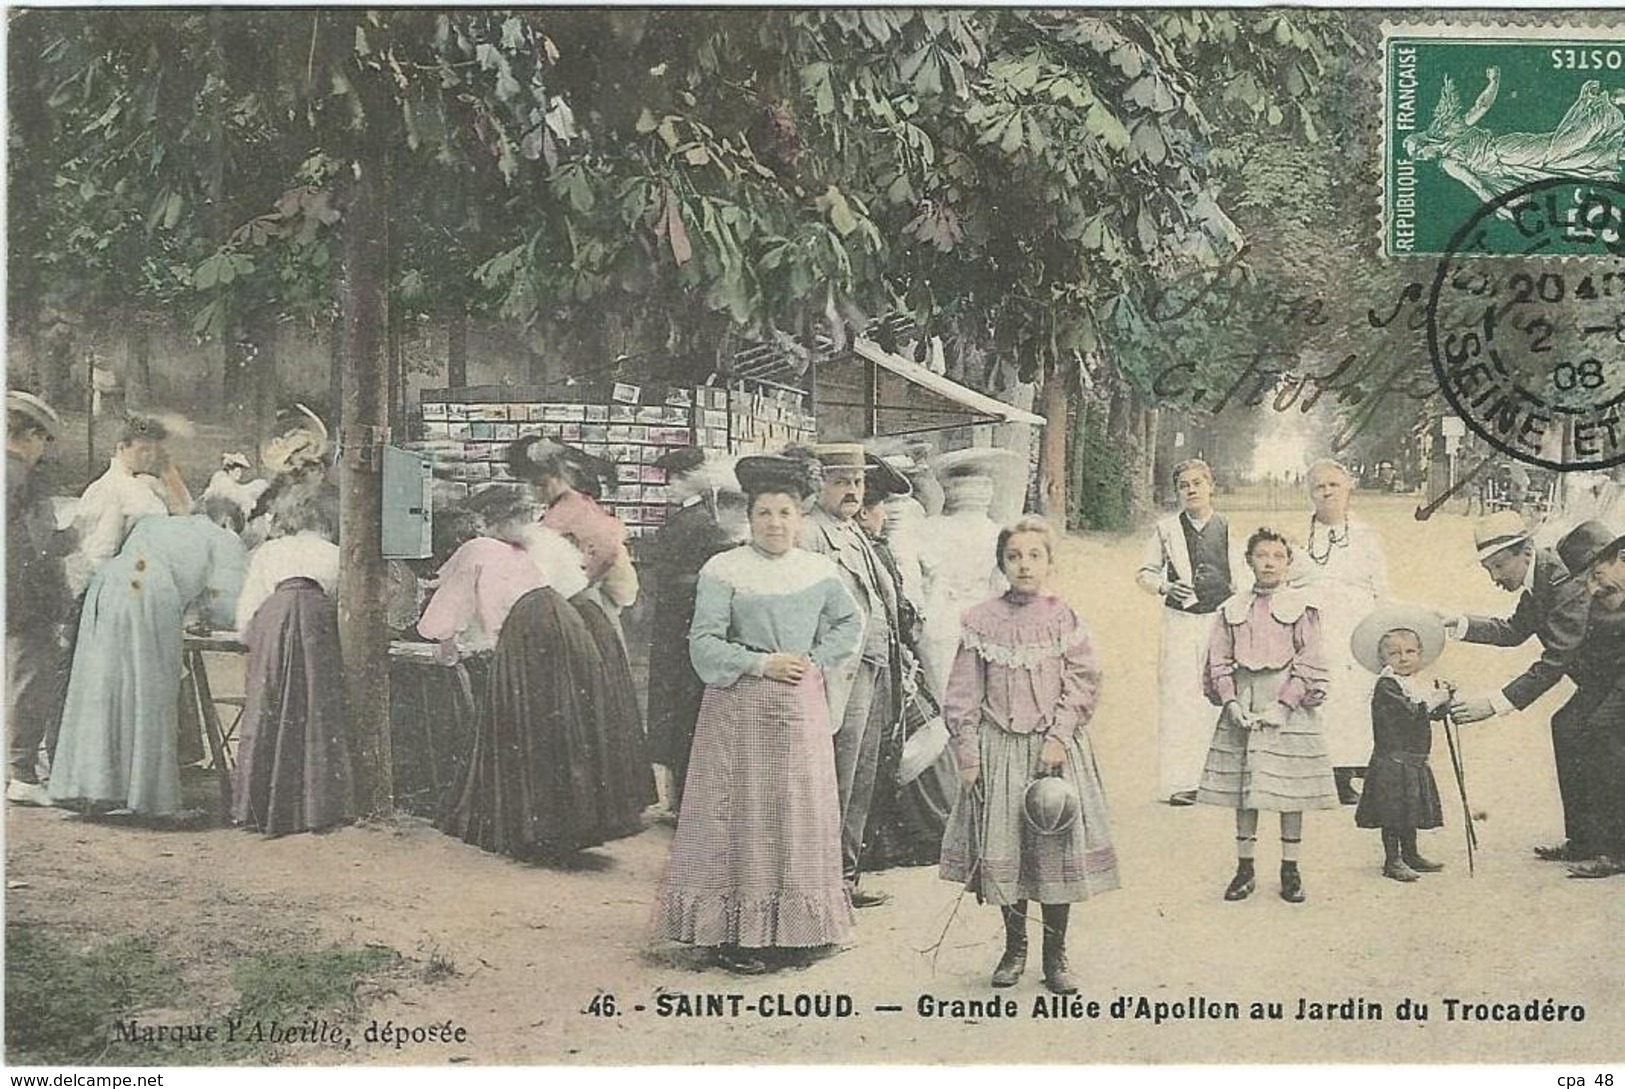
column 883, row 480
column 534, row 457
column 1393, row 616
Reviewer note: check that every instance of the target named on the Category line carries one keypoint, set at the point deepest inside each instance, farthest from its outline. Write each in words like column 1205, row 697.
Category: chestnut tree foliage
column 1017, row 180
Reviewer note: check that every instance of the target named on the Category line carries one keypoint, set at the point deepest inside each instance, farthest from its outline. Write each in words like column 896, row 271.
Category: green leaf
column 1011, row 141
column 840, row 212
column 361, row 45
column 1104, row 124
column 1148, row 142
column 172, row 211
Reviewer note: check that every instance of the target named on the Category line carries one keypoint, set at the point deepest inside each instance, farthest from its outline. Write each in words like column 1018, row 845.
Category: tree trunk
column 457, row 348
column 138, row 364
column 261, row 393
column 363, row 630
column 1052, row 457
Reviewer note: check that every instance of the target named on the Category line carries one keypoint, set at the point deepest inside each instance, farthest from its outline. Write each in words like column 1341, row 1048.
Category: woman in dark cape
column 293, row 757
column 537, row 784
column 540, row 780
column 564, row 478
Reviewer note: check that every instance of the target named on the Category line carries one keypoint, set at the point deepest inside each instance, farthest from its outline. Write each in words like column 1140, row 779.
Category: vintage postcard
column 948, row 536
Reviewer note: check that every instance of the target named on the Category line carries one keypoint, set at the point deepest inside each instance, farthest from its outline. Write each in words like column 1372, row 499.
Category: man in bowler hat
column 1595, row 717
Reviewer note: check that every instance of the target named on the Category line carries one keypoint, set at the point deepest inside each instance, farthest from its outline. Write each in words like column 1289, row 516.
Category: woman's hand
column 1053, row 755
column 969, row 776
column 789, row 668
column 445, row 652
column 1235, row 716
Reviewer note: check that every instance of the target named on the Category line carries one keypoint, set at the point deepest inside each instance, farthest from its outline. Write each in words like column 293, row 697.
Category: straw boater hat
column 840, row 455
column 1497, row 532
column 1587, row 545
column 34, row 410
column 1392, row 616
column 763, row 473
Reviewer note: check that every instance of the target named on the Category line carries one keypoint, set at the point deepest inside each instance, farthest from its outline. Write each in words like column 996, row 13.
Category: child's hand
column 1441, row 695
column 1053, row 754
column 1274, row 715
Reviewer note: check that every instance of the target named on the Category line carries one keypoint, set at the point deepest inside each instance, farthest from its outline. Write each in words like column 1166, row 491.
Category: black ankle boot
column 1057, row 976
column 1241, row 885
column 1291, row 883
column 1014, row 961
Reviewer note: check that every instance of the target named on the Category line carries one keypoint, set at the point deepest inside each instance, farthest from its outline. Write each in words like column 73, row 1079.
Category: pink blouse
column 597, row 533
column 478, row 587
column 1266, row 631
column 1025, row 665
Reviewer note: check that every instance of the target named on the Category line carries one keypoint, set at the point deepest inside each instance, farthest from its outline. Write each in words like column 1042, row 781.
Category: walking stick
column 1461, row 789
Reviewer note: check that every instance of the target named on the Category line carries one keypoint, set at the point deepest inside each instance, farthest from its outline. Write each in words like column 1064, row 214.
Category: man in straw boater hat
column 1595, row 717
column 862, row 696
column 1552, row 607
column 37, row 600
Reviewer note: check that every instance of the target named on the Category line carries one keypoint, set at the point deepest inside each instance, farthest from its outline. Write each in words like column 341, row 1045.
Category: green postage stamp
column 1468, row 121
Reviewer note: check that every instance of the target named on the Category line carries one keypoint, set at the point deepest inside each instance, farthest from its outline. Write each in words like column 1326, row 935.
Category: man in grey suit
column 861, row 699
column 1553, row 608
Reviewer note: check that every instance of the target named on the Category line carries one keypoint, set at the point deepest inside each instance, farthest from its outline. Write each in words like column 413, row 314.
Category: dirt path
column 532, row 946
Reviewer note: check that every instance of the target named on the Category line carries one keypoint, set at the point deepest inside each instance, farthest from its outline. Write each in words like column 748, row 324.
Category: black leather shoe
column 862, row 899
column 1241, row 886
column 1567, row 851
column 1057, row 976
column 1423, row 865
column 1292, row 885
column 1183, row 797
column 1014, row 962
column 739, row 962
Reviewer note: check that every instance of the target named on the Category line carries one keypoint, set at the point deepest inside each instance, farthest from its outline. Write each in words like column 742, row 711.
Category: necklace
column 1335, row 538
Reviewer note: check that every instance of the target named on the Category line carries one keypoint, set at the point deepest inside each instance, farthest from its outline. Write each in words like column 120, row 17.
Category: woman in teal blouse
column 756, row 862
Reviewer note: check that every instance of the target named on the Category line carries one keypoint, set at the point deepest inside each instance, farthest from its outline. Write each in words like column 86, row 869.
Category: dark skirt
column 293, row 758
column 1399, row 792
column 907, row 820
column 533, row 786
column 628, row 777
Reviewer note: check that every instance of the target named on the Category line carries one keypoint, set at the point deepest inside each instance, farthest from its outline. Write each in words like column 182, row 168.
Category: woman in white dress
column 1342, row 568
column 958, row 557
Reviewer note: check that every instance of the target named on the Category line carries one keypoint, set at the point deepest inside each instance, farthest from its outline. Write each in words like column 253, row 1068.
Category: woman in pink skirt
column 756, row 863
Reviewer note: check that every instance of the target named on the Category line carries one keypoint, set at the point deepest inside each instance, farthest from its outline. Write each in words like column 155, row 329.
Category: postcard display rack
column 468, row 431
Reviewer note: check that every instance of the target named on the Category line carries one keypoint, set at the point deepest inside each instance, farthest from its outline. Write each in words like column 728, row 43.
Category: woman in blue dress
column 118, row 745
column 756, row 862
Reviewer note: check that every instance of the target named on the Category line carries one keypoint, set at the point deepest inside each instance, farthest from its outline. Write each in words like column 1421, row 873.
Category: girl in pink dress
column 1265, row 670
column 1021, row 692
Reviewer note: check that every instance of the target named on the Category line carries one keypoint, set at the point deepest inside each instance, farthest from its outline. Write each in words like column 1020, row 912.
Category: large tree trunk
column 363, row 630
column 457, row 347
column 1052, row 457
